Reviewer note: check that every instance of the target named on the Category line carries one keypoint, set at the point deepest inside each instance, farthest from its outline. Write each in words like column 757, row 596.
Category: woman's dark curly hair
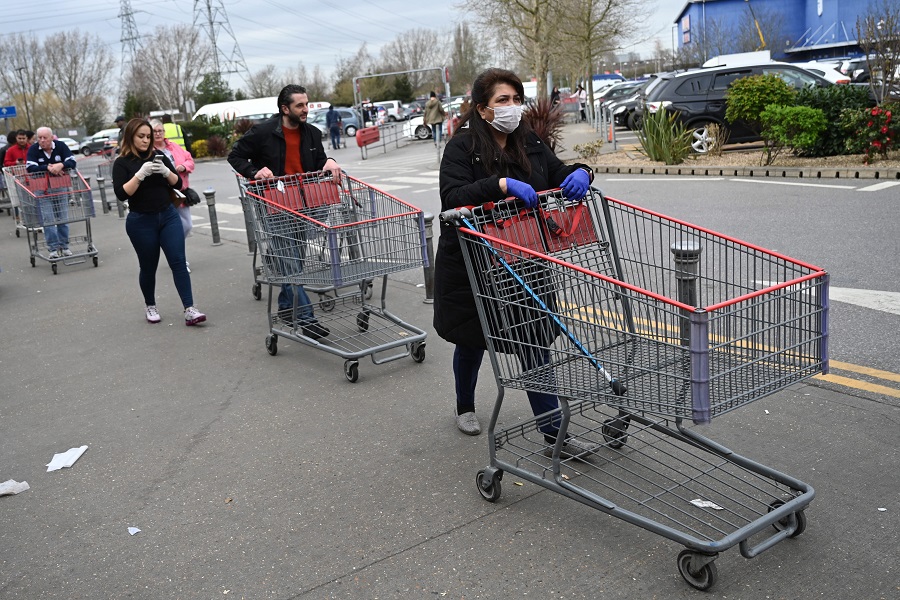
column 481, row 132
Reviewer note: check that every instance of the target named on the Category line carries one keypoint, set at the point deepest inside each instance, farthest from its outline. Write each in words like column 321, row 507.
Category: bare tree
column 171, row 64
column 878, row 32
column 468, row 56
column 23, row 76
column 528, row 26
column 413, row 49
column 264, row 83
column 78, row 72
column 348, row 68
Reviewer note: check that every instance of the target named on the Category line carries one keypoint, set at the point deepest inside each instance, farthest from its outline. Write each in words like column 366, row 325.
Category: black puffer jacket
column 263, row 146
column 464, row 182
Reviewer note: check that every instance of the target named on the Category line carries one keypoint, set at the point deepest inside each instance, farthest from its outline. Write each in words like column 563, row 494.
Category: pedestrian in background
column 334, row 124
column 434, row 117
column 146, row 179
column 184, row 166
column 17, row 151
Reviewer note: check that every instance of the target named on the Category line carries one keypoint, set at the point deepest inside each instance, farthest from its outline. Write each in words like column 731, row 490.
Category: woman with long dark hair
column 496, row 157
column 146, row 179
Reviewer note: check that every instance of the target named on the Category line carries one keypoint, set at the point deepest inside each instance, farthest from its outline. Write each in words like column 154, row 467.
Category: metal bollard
column 429, row 253
column 100, row 185
column 210, row 194
column 686, row 254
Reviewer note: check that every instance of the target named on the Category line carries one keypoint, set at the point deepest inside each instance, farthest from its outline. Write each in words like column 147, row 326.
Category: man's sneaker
column 188, row 266
column 66, row 252
column 153, row 314
column 468, row 423
column 574, row 448
column 53, row 255
column 315, row 331
column 192, row 316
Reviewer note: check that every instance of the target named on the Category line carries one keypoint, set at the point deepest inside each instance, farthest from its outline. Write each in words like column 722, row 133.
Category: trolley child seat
column 648, row 322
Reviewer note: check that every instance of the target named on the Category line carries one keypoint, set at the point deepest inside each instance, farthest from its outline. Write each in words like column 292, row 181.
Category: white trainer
column 153, row 314
column 66, row 252
column 54, row 255
column 192, row 316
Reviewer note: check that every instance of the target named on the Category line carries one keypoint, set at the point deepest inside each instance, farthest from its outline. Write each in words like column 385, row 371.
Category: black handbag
column 192, row 198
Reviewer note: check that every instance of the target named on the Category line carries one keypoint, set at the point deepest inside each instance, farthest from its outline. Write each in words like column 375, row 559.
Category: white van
column 393, row 109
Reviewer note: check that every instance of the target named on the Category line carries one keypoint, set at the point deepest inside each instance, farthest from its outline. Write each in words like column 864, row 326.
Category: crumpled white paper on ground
column 65, row 459
column 10, row 487
column 706, row 504
column 133, row 530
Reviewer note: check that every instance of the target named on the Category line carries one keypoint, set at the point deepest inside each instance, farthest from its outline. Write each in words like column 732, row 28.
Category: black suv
column 698, row 97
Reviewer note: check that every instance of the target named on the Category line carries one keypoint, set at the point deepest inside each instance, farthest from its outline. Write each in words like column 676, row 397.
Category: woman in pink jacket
column 184, row 166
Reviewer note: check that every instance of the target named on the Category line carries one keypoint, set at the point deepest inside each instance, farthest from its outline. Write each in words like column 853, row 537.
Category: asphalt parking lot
column 258, row 476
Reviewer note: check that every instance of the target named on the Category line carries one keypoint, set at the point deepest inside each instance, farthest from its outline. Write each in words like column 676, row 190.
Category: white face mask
column 507, row 118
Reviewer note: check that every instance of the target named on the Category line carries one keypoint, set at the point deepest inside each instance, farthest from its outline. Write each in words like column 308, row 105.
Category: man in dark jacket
column 286, row 145
column 52, row 156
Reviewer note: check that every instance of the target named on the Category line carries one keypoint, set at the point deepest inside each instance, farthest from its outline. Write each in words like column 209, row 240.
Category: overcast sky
column 273, row 31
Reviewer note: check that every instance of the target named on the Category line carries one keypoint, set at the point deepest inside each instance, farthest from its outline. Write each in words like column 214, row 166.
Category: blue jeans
column 437, row 129
column 148, row 234
column 53, row 210
column 467, row 361
column 287, row 250
column 335, row 137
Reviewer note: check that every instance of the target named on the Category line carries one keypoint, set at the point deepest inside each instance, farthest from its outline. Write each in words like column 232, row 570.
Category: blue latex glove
column 522, row 191
column 575, row 186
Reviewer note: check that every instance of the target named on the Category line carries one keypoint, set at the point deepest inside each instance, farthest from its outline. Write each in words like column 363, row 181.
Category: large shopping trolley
column 288, row 182
column 640, row 323
column 48, row 200
column 338, row 236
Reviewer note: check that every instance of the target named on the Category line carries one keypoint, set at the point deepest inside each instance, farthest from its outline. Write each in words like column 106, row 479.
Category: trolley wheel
column 19, row 234
column 703, row 578
column 351, row 370
column 491, row 491
column 32, row 258
column 272, row 344
column 417, row 351
column 96, row 262
column 786, row 522
column 256, row 291
column 326, row 302
column 362, row 320
column 54, row 268
column 367, row 294
column 615, row 432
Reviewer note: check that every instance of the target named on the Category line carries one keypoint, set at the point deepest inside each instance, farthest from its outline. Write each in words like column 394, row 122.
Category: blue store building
column 804, row 29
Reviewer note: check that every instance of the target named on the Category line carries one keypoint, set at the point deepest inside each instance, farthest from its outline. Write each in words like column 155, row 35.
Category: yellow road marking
column 859, row 385
column 865, row 370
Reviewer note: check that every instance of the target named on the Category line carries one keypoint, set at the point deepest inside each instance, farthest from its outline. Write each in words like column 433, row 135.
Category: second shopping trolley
column 49, row 204
column 337, row 235
column 640, row 323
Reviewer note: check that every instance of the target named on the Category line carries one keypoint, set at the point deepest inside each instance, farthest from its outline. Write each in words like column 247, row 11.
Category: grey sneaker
column 574, row 448
column 66, row 252
column 53, row 255
column 468, row 423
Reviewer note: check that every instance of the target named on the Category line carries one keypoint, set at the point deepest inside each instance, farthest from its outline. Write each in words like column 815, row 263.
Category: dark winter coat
column 464, row 182
column 263, row 146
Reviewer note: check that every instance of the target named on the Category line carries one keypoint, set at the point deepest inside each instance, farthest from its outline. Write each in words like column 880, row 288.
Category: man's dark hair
column 29, row 133
column 284, row 97
column 433, row 95
column 22, row 132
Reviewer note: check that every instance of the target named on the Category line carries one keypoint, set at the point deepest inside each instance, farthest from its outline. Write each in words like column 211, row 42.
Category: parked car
column 393, row 110
column 827, row 70
column 415, row 127
column 102, row 141
column 616, row 90
column 348, row 117
column 698, row 97
column 73, row 145
column 416, row 107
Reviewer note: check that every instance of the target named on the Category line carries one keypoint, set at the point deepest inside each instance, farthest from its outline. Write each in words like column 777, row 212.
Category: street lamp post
column 25, row 97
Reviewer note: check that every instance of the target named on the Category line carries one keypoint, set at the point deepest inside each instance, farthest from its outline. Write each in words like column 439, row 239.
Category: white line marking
column 392, row 188
column 207, row 226
column 820, row 185
column 230, row 209
column 874, row 299
column 879, row 186
column 431, row 180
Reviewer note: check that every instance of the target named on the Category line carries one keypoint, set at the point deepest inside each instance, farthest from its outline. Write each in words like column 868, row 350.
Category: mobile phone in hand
column 157, row 158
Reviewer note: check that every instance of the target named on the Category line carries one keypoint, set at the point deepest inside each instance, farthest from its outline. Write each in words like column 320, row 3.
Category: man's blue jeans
column 55, row 208
column 335, row 137
column 288, row 250
column 148, row 234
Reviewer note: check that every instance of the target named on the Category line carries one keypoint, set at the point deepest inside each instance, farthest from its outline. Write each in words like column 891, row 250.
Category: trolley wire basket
column 336, row 235
column 638, row 322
